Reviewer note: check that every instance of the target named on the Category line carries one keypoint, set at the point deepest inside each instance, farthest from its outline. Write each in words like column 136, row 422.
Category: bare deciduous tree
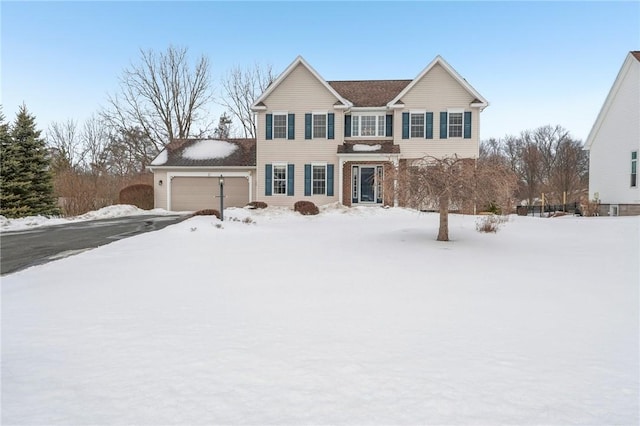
column 163, row 96
column 65, row 144
column 241, row 88
column 95, row 138
column 546, row 159
column 457, row 182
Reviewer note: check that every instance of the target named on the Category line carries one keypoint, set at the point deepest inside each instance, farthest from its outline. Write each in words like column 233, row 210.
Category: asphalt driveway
column 24, row 248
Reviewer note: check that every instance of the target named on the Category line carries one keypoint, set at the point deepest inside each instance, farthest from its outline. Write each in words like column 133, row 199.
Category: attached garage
column 187, row 174
column 197, row 193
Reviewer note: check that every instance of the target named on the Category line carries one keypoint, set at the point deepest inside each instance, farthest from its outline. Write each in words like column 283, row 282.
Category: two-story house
column 338, row 141
column 328, row 141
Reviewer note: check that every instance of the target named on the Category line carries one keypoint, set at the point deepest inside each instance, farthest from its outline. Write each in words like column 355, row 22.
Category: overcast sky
column 536, row 63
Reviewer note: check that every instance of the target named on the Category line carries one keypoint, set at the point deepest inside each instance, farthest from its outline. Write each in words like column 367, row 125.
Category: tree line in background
column 545, row 160
column 167, row 96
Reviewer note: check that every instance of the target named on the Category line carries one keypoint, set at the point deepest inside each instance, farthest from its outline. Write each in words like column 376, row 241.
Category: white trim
column 298, row 61
column 439, row 60
column 273, row 124
column 369, row 113
column 613, row 92
column 326, row 124
column 455, row 111
column 365, row 109
column 323, row 165
column 170, row 177
column 286, row 178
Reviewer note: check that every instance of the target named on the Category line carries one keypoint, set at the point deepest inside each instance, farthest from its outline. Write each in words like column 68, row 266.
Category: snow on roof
column 160, row 159
column 364, row 147
column 209, row 149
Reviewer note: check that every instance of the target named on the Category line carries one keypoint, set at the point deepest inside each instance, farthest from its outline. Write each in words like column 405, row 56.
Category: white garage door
column 197, row 193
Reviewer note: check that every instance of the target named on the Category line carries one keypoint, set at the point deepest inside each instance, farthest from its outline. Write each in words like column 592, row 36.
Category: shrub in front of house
column 139, row 195
column 306, row 208
column 208, row 212
column 257, row 205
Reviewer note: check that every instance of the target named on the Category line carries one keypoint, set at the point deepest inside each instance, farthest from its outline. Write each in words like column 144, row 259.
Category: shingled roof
column 244, row 154
column 369, row 93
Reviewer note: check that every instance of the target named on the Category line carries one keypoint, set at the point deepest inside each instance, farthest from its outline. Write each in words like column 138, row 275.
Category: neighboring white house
column 614, row 144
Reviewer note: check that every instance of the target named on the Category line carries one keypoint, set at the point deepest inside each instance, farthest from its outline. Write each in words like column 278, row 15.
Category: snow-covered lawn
column 355, row 316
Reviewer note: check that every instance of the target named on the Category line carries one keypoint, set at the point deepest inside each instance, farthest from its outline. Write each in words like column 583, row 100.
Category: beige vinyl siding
column 436, row 92
column 300, row 93
column 159, row 191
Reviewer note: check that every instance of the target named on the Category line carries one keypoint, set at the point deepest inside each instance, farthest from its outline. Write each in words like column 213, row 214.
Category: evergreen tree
column 26, row 186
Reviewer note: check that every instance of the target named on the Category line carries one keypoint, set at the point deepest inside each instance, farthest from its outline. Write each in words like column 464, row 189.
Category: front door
column 367, row 184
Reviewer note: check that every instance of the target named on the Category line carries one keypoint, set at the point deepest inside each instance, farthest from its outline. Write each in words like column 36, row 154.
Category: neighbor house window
column 280, row 179
column 634, row 169
column 319, row 125
column 319, row 179
column 417, row 125
column 455, row 124
column 279, row 126
column 368, row 125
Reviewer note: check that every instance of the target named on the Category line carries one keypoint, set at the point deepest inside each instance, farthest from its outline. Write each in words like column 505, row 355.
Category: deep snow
column 355, row 316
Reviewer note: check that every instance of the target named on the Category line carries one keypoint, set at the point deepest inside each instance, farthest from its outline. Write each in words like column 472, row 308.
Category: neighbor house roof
column 631, row 59
column 369, row 93
column 207, row 153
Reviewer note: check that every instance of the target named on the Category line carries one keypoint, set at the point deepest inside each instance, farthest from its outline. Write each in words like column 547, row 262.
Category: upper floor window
column 634, row 169
column 455, row 124
column 279, row 126
column 367, row 125
column 417, row 125
column 319, row 125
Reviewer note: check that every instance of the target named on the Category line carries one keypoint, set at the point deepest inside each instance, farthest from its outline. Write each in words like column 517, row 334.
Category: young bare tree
column 241, row 88
column 65, row 145
column 457, row 182
column 163, row 96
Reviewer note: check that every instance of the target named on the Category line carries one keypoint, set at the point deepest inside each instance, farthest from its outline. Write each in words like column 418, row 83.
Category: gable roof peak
column 298, row 61
column 439, row 60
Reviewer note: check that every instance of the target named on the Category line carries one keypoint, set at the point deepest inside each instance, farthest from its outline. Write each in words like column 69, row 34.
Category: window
column 279, row 126
column 319, row 179
column 634, row 169
column 417, row 125
column 367, row 125
column 280, row 179
column 455, row 124
column 319, row 125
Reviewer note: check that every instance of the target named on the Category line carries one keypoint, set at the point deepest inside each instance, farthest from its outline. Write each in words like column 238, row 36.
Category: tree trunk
column 443, row 232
